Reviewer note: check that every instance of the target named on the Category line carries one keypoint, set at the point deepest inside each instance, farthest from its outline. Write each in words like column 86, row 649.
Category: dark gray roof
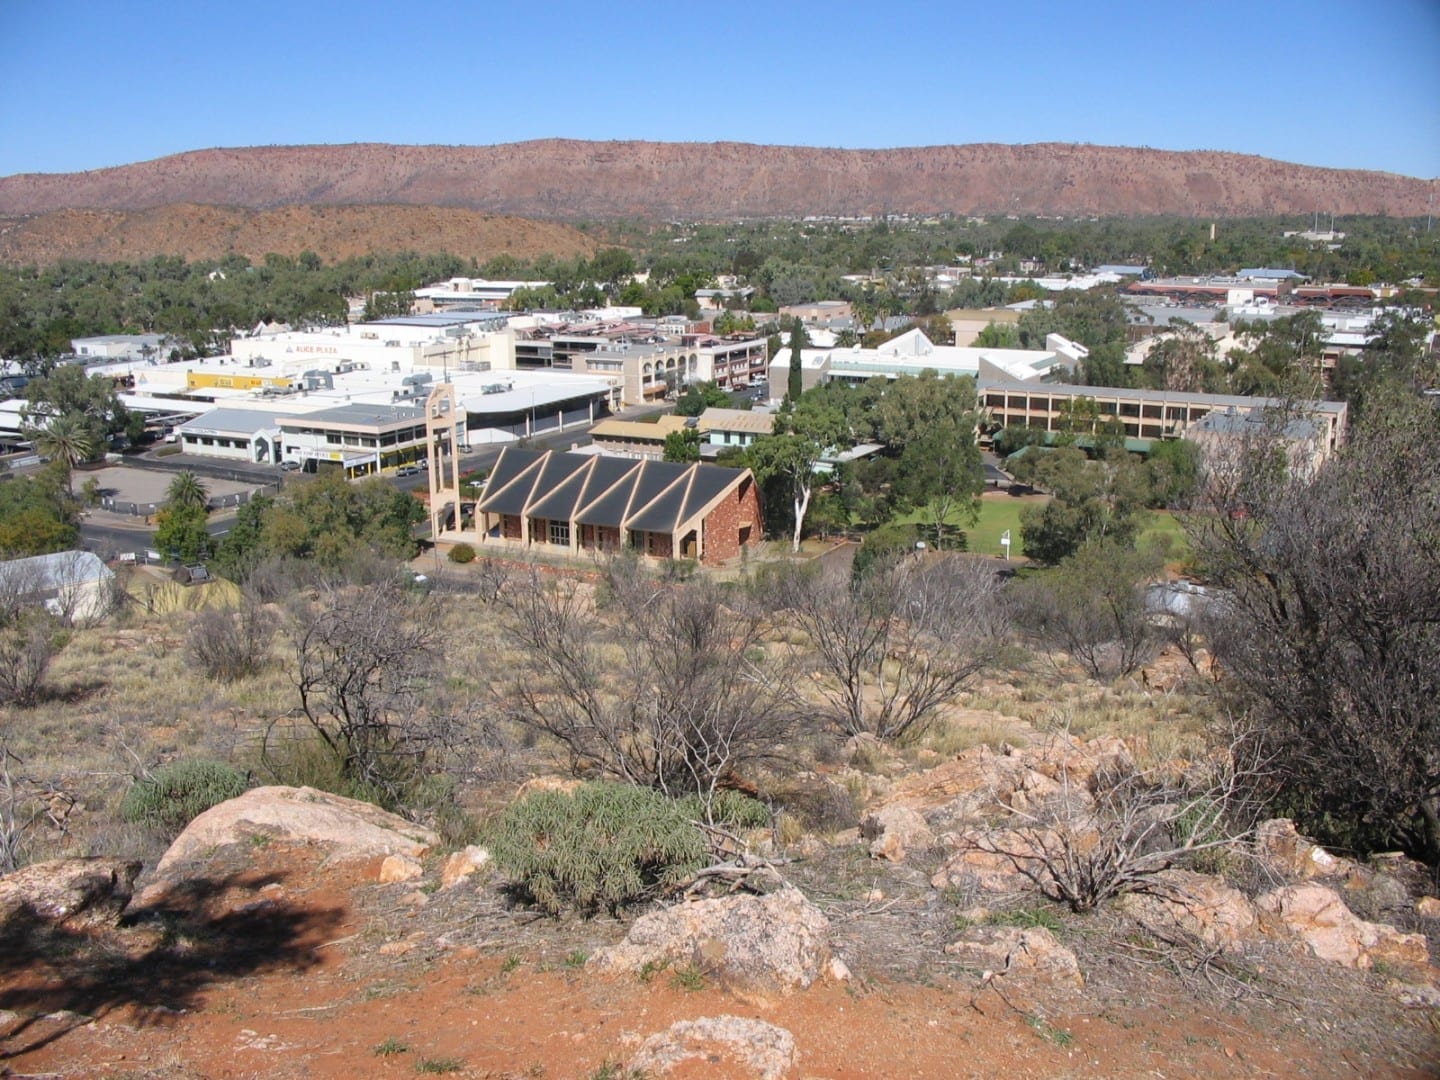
column 507, row 490
column 655, row 496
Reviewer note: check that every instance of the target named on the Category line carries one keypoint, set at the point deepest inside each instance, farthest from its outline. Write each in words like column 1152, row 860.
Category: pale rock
column 90, row 891
column 415, row 899
column 396, row 948
column 990, row 860
column 1281, row 847
column 837, row 970
column 894, row 831
column 777, row 941
column 396, row 868
column 1333, row 932
column 1428, row 907
column 1195, row 904
column 1414, row 995
column 1032, row 953
column 461, row 864
column 747, row 1047
column 345, row 828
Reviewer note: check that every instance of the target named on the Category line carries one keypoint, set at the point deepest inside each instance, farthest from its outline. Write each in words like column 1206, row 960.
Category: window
column 560, row 533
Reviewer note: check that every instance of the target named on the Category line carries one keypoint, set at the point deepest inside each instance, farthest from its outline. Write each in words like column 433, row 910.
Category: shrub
column 462, row 553
column 25, row 654
column 229, row 645
column 602, row 847
column 176, row 794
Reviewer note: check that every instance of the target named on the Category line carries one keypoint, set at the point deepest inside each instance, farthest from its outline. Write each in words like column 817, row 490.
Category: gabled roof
column 507, row 491
column 656, row 496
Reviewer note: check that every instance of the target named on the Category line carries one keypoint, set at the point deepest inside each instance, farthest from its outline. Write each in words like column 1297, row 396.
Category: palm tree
column 187, row 490
column 65, row 438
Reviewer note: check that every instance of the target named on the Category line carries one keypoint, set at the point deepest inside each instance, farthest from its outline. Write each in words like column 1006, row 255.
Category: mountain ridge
column 570, row 179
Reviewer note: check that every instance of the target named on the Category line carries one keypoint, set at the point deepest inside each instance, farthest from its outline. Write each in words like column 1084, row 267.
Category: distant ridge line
column 569, row 179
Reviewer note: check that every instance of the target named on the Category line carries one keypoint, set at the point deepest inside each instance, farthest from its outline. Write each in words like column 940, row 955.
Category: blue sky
column 1327, row 82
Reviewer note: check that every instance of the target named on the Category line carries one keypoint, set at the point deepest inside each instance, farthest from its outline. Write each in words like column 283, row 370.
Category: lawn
column 999, row 512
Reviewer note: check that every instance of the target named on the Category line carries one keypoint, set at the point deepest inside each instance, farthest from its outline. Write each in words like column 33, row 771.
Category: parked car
column 407, row 470
column 289, row 466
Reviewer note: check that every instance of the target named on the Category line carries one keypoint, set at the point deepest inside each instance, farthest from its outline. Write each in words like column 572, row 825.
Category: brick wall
column 723, row 525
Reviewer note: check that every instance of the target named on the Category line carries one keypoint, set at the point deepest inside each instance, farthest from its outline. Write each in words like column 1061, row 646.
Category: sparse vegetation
column 173, row 795
column 602, row 847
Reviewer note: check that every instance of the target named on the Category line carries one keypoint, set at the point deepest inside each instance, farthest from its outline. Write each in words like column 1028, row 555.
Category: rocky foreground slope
column 574, row 179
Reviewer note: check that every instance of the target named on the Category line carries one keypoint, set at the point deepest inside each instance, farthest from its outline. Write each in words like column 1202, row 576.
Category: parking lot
column 140, row 492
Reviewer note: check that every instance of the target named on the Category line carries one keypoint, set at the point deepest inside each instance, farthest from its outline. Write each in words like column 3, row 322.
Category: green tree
column 66, row 439
column 795, row 386
column 1090, row 502
column 998, row 336
column 1329, row 634
column 187, row 490
column 683, row 446
column 36, row 517
column 388, row 305
column 700, row 396
column 1174, row 468
column 68, row 391
column 180, row 532
column 1184, row 360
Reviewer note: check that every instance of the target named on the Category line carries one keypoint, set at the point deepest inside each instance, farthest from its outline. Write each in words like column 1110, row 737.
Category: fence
column 149, row 509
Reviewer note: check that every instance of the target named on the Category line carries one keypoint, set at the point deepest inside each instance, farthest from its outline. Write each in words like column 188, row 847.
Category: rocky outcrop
column 1320, row 918
column 1193, row 905
column 343, row 828
column 779, row 941
column 1018, row 953
column 73, row 892
column 570, row 178
column 742, row 1047
column 895, row 831
column 1281, row 849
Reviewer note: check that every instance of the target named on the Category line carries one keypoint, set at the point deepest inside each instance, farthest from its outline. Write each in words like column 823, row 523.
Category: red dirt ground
column 281, row 975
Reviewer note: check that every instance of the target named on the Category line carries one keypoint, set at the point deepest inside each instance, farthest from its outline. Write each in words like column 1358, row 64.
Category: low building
column 74, row 586
column 1146, row 415
column 731, row 362
column 1226, row 437
column 912, row 352
column 232, row 434
column 718, row 428
column 819, row 312
column 574, row 504
column 141, row 347
column 361, row 439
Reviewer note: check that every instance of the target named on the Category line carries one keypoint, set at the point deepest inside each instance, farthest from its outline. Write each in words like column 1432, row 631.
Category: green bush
column 728, row 809
column 177, row 793
column 887, row 542
column 462, row 553
column 601, row 847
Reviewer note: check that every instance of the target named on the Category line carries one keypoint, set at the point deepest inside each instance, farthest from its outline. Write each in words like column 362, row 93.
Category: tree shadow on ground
column 157, row 962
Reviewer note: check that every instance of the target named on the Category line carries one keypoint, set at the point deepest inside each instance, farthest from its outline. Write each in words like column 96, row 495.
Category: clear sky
column 1325, row 82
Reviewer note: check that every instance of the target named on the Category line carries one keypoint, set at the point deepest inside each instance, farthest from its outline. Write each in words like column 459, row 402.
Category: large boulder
column 779, row 941
column 74, row 892
column 1193, row 904
column 345, row 828
column 1024, row 953
column 971, row 787
column 1333, row 932
column 735, row 1045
